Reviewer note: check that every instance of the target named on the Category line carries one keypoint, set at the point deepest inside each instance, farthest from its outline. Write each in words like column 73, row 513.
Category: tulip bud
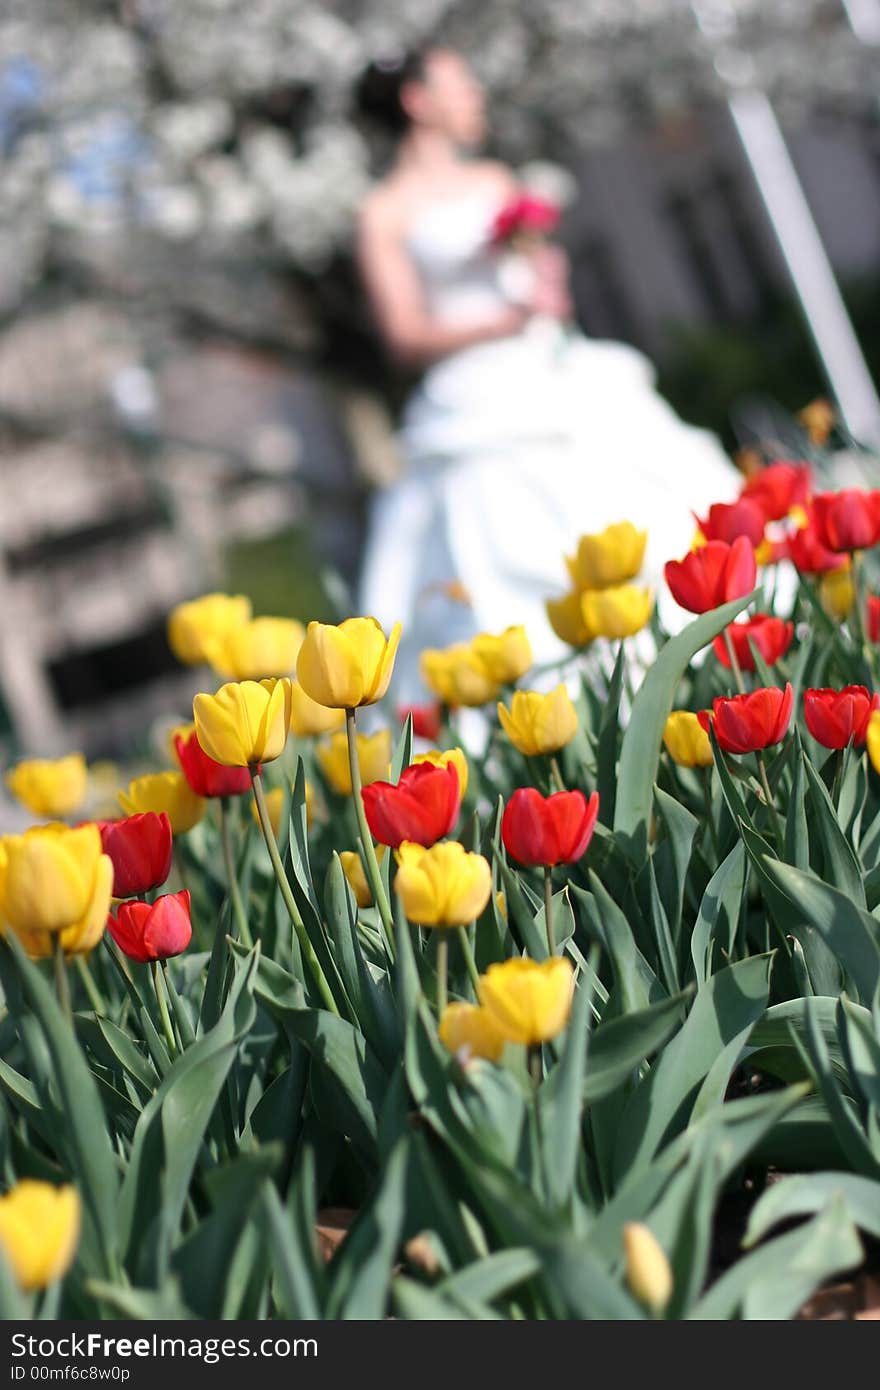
column 422, row 807
column 648, row 1271
column 39, row 1231
column 469, row 1031
column 687, row 742
column 539, row 723
column 164, row 791
column 49, row 788
column 455, row 756
column 347, row 666
column 260, row 649
column 373, row 755
column 308, row 718
column 457, row 676
column 505, row 657
column 566, row 617
column 354, row 872
column 608, row 558
column 140, row 849
column 55, row 882
column 529, row 1002
column 193, row 626
column 245, row 723
column 617, row 612
column 153, row 931
column 444, row 886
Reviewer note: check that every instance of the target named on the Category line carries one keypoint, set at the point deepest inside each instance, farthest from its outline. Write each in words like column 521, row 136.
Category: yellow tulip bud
column 194, row 625
column 687, row 742
column 457, row 676
column 164, row 791
column 347, row 666
column 245, row 723
column 183, row 731
column 618, row 611
column 504, row 657
column 308, row 718
column 501, row 904
column 354, row 872
column 253, row 651
column 873, row 740
column 610, row 557
column 373, row 755
column 39, row 1231
column 529, row 1002
column 444, row 886
column 648, row 1271
column 449, row 755
column 468, row 1031
column 49, row 787
column 566, row 618
column 837, row 592
column 55, row 881
column 539, row 723
column 818, row 420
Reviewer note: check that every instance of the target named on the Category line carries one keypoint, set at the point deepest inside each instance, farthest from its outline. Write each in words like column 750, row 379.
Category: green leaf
column 850, row 932
column 724, row 1010
column 842, row 869
column 640, row 751
column 488, row 1278
column 363, row 1267
column 719, row 914
column 774, row 1281
column 807, row 1193
column 636, row 982
column 606, row 745
column 617, row 1047
column 561, row 1103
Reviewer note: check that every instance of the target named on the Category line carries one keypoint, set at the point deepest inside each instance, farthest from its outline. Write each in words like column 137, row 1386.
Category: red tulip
column 427, row 720
column 548, row 830
column 153, row 931
column 712, row 575
column 808, row 554
column 834, row 717
column 423, row 807
column 772, row 636
column 206, row 777
column 873, row 618
column 747, row 723
column 847, row 520
column 778, row 488
column 728, row 520
column 140, row 848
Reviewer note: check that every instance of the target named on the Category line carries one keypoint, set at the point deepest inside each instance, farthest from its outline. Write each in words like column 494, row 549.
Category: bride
column 523, row 434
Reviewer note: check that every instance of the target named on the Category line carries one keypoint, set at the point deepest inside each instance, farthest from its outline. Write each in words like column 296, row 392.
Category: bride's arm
column 412, row 334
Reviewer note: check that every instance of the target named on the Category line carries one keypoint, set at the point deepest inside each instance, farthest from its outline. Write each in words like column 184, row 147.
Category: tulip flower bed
column 540, row 1016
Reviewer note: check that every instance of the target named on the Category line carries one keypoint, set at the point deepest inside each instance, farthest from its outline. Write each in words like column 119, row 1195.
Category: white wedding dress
column 511, row 450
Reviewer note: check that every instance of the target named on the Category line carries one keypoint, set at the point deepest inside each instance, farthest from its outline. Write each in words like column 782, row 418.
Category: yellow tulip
column 444, row 886
column 354, row 872
column 55, row 882
column 373, row 754
column 837, row 592
column 258, row 649
column 457, row 676
column 39, row 1231
column 49, row 787
column 164, row 791
column 607, row 558
column 178, row 731
column 617, row 611
column 687, row 742
column 245, row 723
column 193, row 626
column 566, row 617
column 504, row 657
column 818, row 420
column 449, row 755
column 873, row 740
column 308, row 718
column 648, row 1271
column 468, row 1031
column 539, row 723
column 529, row 1002
column 501, row 904
column 347, row 666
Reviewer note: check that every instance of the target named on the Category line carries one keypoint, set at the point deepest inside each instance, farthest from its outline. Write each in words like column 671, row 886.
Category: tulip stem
column 734, row 662
column 62, row 983
column 768, row 795
column 556, row 775
column 95, row 998
column 163, row 1009
column 548, row 909
column 371, row 863
column 238, row 911
column 536, row 1074
column 302, row 936
column 469, row 961
column 442, row 973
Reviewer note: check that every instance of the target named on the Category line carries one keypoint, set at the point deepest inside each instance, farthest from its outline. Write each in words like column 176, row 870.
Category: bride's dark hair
column 379, row 92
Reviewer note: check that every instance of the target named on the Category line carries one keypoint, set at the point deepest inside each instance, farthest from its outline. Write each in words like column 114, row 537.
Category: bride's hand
column 550, row 294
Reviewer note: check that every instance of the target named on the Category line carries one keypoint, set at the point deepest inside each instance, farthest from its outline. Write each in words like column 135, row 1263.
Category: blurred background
column 191, row 396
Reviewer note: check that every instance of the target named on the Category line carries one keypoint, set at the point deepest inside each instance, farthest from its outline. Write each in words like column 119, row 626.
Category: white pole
column 811, row 272
column 792, row 221
column 864, row 17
